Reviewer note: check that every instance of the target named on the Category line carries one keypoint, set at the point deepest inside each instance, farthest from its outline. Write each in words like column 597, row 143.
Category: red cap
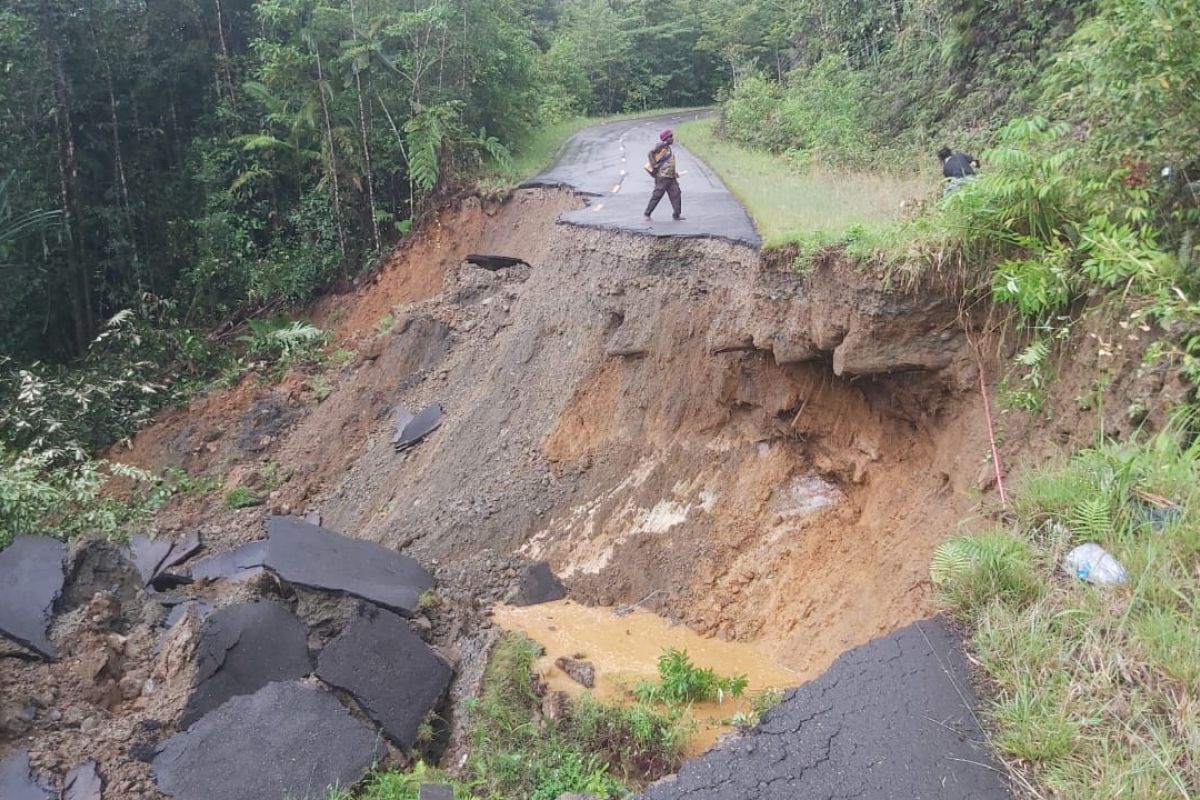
column 666, row 134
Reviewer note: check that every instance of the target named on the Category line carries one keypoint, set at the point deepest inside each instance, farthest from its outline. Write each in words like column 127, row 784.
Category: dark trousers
column 669, row 187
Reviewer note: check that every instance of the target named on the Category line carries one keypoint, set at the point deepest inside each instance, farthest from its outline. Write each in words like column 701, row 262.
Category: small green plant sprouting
column 321, row 387
column 272, row 475
column 385, row 323
column 241, row 497
column 183, row 483
column 340, row 358
column 429, row 599
column 681, row 681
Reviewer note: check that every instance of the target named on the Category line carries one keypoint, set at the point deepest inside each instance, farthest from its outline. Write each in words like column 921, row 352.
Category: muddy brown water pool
column 624, row 649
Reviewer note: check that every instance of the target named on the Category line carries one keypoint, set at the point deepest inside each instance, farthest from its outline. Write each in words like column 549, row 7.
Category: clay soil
column 764, row 456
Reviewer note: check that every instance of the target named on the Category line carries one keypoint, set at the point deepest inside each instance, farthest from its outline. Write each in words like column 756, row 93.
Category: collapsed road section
column 232, row 701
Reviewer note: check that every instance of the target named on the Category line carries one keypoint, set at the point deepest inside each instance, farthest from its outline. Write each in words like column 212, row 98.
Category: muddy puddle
column 625, row 649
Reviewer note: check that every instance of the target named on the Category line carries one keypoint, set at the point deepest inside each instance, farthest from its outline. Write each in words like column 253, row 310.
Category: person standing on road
column 666, row 176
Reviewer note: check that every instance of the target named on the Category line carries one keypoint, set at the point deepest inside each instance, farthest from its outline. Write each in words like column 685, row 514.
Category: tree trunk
column 225, row 55
column 362, row 121
column 78, row 281
column 337, row 201
column 118, row 160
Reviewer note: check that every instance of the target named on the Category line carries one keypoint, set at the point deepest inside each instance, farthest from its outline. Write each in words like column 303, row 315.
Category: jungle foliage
column 238, row 154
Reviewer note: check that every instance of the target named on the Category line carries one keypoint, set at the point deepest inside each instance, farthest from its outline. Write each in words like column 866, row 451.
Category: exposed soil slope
column 673, row 422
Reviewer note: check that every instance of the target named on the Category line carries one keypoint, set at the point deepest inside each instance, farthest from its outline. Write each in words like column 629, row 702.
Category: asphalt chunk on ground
column 890, row 719
column 416, row 427
column 154, row 556
column 538, row 585
column 393, row 676
column 17, row 781
column 31, row 579
column 311, row 556
column 239, row 564
column 242, row 648
column 604, row 164
column 84, row 782
column 286, row 740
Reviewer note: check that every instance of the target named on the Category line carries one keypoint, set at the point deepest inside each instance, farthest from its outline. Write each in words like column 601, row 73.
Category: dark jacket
column 959, row 165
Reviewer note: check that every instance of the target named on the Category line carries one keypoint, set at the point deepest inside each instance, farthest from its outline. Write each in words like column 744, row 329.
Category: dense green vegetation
column 518, row 754
column 229, row 154
column 1095, row 687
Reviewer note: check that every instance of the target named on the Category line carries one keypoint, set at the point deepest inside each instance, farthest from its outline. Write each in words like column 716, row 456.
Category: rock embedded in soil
column 538, row 585
column 890, row 719
column 239, row 564
column 311, row 556
column 242, row 648
column 435, row 791
column 582, row 672
column 31, row 579
column 17, row 781
column 286, row 740
column 392, row 675
column 84, row 782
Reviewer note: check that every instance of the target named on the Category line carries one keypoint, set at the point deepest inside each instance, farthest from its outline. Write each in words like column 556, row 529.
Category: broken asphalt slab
column 416, row 427
column 153, row 556
column 538, row 585
column 308, row 555
column 286, row 740
column 604, row 164
column 890, row 719
column 31, row 579
column 239, row 564
column 17, row 781
column 242, row 648
column 389, row 671
column 494, row 263
column 84, row 782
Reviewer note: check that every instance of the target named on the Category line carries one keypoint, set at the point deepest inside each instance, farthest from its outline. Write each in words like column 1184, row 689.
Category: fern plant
column 1092, row 518
column 971, row 571
column 282, row 339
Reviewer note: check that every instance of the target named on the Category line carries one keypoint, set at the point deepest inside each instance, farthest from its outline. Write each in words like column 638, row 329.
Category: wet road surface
column 604, row 164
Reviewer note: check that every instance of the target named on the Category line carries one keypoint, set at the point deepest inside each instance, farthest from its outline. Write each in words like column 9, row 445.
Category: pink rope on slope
column 987, row 412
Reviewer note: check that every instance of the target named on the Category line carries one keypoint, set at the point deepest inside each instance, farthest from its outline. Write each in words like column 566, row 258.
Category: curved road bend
column 604, row 163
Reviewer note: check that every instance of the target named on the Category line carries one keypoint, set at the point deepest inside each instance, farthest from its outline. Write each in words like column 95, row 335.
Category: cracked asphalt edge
column 894, row 718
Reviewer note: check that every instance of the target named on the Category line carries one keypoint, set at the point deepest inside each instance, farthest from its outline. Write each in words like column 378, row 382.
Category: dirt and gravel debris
column 766, row 455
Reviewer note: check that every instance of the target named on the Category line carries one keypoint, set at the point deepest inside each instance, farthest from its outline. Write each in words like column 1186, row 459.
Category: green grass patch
column 1095, row 691
column 793, row 202
column 517, row 754
column 241, row 497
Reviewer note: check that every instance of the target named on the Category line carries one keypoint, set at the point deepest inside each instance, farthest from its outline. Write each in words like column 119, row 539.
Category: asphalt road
column 890, row 720
column 604, row 164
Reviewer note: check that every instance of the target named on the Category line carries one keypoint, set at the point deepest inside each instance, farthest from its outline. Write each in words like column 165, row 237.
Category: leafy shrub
column 283, row 340
column 681, row 681
column 819, row 113
column 40, row 496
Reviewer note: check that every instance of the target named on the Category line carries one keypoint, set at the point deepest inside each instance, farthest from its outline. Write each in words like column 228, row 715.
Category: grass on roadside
column 789, row 201
column 517, row 754
column 1094, row 692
